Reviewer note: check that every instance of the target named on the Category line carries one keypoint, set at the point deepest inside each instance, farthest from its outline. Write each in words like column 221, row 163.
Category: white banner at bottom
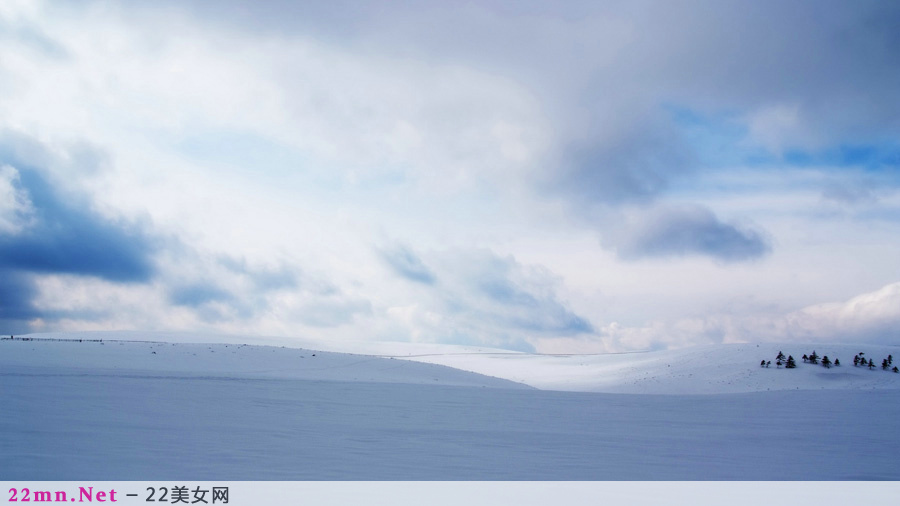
column 450, row 493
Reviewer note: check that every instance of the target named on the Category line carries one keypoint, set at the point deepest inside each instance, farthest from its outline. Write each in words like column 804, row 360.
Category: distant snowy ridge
column 103, row 355
column 712, row 369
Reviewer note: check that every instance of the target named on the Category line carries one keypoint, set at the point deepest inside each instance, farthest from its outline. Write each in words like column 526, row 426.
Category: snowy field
column 141, row 410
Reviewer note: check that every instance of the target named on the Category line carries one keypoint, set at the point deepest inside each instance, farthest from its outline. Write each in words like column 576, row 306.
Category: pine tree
column 825, row 362
column 837, row 362
column 855, row 360
column 790, row 362
column 871, row 364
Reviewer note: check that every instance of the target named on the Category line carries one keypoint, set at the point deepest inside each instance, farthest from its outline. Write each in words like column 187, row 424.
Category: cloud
column 68, row 266
column 46, row 231
column 17, row 291
column 407, row 264
column 688, row 230
column 228, row 292
column 636, row 165
column 517, row 296
column 872, row 317
column 63, row 237
column 14, row 203
column 479, row 297
column 198, row 294
column 266, row 278
column 611, row 62
column 28, row 36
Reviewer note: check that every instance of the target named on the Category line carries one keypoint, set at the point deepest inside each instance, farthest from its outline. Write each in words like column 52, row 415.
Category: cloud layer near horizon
column 591, row 175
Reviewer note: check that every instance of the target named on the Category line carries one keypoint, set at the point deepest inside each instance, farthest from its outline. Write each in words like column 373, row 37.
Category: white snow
column 141, row 410
column 713, row 369
column 201, row 360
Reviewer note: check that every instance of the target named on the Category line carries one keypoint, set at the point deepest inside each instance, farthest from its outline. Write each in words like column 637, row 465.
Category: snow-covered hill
column 139, row 410
column 715, row 369
column 103, row 354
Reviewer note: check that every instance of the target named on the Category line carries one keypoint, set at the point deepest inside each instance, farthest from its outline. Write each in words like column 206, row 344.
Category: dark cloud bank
column 61, row 234
column 687, row 230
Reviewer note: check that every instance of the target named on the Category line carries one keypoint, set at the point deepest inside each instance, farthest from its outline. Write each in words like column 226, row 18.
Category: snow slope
column 178, row 411
column 99, row 354
column 715, row 369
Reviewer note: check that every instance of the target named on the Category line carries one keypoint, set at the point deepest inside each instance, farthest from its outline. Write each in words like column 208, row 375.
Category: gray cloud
column 51, row 232
column 198, row 294
column 265, row 278
column 632, row 166
column 17, row 290
column 493, row 297
column 587, row 55
column 222, row 289
column 476, row 297
column 62, row 237
column 407, row 264
column 687, row 230
column 524, row 300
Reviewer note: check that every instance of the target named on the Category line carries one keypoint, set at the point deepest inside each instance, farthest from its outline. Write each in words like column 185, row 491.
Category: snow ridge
column 712, row 369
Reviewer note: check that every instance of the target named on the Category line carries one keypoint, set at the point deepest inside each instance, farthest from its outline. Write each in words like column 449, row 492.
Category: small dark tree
column 895, row 369
column 763, row 363
column 884, row 365
column 871, row 364
column 790, row 363
column 826, row 362
column 768, row 363
column 805, row 358
column 780, row 356
column 837, row 362
column 855, row 360
column 890, row 359
column 813, row 359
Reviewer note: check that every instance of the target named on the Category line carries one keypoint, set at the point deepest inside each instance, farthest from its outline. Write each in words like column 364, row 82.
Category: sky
column 575, row 177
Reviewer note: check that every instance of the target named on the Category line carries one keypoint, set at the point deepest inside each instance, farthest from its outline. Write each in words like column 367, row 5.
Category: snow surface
column 714, row 369
column 132, row 410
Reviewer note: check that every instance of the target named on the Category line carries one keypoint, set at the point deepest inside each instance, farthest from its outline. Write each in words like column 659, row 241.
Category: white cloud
column 15, row 206
column 871, row 317
column 778, row 127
